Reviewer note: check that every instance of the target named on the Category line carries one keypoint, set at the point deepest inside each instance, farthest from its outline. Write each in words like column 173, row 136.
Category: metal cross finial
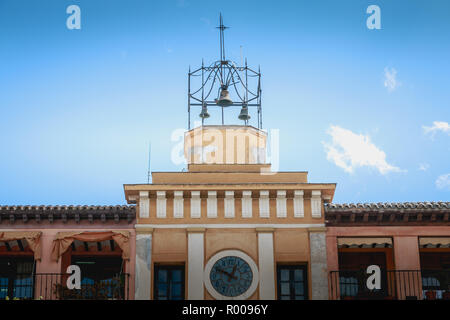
column 223, row 84
column 221, row 27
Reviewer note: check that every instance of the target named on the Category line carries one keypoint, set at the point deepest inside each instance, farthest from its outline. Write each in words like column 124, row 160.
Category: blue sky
column 367, row 109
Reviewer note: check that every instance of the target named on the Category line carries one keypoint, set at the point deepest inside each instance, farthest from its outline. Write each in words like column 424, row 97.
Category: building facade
column 409, row 242
column 227, row 231
column 39, row 243
column 232, row 230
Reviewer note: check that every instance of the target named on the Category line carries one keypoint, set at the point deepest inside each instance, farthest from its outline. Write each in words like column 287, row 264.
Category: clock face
column 231, row 276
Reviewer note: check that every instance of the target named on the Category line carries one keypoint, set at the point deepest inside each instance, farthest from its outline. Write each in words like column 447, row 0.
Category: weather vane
column 223, row 84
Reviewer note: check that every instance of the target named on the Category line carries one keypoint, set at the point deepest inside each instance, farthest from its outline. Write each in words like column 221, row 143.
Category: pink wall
column 47, row 265
column 405, row 246
column 406, row 253
column 49, row 231
column 405, row 242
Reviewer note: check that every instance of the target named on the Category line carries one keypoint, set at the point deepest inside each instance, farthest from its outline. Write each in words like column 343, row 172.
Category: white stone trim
column 299, row 209
column 318, row 260
column 195, row 263
column 144, row 204
column 133, row 198
column 196, row 208
column 264, row 207
column 246, row 204
column 228, row 204
column 281, row 204
column 230, row 225
column 235, row 253
column 211, row 204
column 143, row 274
column 266, row 262
column 161, row 204
column 178, row 204
column 316, row 204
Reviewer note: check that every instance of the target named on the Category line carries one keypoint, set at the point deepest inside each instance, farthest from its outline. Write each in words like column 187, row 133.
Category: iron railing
column 394, row 285
column 52, row 286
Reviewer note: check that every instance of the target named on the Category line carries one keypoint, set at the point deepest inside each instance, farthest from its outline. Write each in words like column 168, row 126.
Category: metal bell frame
column 225, row 75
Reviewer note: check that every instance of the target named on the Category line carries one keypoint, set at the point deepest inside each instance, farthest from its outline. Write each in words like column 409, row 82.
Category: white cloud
column 443, row 181
column 424, row 166
column 437, row 126
column 390, row 79
column 349, row 150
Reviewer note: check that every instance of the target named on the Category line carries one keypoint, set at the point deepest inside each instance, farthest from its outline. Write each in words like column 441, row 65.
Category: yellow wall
column 291, row 246
column 232, row 144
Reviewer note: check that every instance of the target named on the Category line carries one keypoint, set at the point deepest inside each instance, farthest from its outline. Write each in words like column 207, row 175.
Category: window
column 101, row 277
column 434, row 260
column 16, row 277
column 430, row 283
column 292, row 282
column 169, row 283
column 348, row 286
column 98, row 268
column 435, row 268
column 353, row 274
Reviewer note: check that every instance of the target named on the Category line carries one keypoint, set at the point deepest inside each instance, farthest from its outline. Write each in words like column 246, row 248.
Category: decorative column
column 144, row 204
column 246, row 204
column 299, row 211
column 178, row 204
column 143, row 267
column 316, row 204
column 196, row 208
column 318, row 261
column 266, row 262
column 228, row 203
column 195, row 263
column 281, row 204
column 264, row 209
column 161, row 204
column 211, row 204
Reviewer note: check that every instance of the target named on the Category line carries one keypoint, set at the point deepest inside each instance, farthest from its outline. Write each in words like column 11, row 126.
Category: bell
column 244, row 113
column 204, row 114
column 224, row 99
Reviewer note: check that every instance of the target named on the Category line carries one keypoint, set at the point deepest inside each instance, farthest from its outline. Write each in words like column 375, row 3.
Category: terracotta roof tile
column 67, row 212
column 330, row 207
column 387, row 213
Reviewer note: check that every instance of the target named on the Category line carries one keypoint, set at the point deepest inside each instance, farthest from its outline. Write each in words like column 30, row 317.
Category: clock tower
column 229, row 227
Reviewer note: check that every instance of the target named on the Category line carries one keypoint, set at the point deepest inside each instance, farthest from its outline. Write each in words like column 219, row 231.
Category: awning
column 364, row 243
column 33, row 238
column 443, row 242
column 98, row 246
column 63, row 241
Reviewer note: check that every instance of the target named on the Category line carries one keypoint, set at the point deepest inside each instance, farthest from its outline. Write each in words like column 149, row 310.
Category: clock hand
column 234, row 270
column 227, row 274
column 222, row 271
